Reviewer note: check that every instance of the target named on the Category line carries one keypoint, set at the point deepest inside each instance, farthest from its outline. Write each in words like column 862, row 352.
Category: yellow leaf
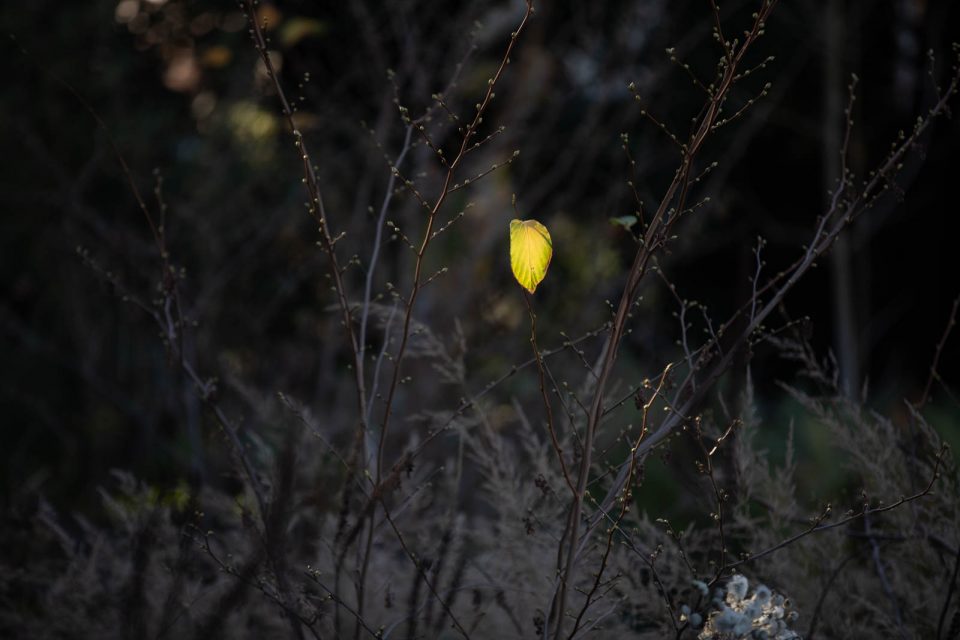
column 530, row 251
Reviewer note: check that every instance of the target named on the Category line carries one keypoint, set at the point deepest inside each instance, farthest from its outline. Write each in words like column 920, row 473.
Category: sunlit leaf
column 530, row 251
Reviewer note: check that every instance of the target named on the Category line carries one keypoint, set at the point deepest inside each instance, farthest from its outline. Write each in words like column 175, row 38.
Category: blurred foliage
column 86, row 387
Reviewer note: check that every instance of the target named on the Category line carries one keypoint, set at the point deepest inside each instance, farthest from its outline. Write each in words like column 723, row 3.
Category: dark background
column 86, row 386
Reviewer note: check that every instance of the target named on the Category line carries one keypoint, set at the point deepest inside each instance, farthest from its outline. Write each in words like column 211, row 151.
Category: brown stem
column 543, row 393
column 655, row 236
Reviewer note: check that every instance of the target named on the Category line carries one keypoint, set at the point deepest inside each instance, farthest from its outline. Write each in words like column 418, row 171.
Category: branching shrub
column 410, row 475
